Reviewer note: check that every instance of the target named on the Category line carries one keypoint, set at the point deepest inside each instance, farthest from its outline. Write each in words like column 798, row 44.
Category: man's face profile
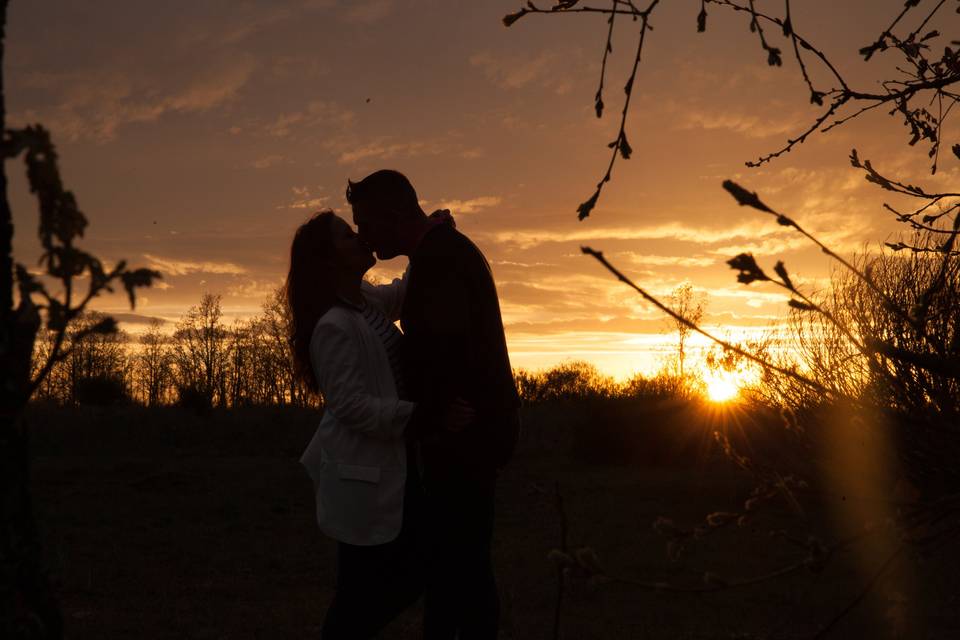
column 377, row 227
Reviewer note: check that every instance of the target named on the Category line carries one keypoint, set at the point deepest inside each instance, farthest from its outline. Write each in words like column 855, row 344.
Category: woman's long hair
column 308, row 292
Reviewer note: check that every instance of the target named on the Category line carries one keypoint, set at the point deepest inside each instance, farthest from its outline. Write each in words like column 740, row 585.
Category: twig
column 620, row 146
column 747, row 198
column 723, row 343
column 815, row 96
column 803, row 41
column 607, row 49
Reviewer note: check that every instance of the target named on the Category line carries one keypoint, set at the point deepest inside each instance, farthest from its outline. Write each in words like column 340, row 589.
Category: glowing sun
column 722, row 387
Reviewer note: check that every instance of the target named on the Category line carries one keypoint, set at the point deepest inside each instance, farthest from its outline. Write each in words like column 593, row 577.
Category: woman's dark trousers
column 376, row 583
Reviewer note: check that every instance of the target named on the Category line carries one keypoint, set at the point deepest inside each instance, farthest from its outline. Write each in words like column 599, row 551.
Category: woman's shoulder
column 336, row 317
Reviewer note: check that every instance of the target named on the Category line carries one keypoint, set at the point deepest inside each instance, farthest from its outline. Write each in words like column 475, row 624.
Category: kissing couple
column 417, row 421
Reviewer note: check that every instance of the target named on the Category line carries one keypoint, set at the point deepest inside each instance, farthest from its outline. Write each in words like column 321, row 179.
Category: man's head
column 386, row 211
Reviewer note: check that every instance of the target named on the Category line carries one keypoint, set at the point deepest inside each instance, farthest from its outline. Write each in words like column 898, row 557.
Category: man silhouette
column 454, row 347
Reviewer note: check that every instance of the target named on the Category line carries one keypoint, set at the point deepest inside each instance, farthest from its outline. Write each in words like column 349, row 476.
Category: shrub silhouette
column 100, row 391
column 570, row 381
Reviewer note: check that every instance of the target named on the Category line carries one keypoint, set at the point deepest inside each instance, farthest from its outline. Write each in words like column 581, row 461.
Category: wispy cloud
column 753, row 126
column 253, row 288
column 525, row 265
column 178, row 267
column 94, row 105
column 463, row 207
column 665, row 261
column 267, row 161
column 368, row 11
column 316, row 113
column 306, row 198
column 386, row 151
column 135, row 318
column 509, row 72
column 525, row 238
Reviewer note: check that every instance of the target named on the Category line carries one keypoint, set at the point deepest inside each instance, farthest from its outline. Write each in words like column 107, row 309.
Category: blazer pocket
column 358, row 472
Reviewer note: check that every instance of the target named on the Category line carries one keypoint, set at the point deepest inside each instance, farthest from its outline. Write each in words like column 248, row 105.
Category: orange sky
column 197, row 135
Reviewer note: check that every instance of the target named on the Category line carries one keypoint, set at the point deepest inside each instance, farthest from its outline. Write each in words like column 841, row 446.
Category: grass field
column 166, row 524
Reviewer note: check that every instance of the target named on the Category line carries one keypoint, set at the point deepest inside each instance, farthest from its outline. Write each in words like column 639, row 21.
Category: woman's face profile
column 349, row 252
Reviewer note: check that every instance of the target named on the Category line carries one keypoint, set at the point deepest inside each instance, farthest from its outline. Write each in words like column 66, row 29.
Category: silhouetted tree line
column 203, row 364
column 206, row 363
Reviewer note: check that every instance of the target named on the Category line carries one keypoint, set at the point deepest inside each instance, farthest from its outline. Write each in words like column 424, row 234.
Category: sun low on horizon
column 721, row 388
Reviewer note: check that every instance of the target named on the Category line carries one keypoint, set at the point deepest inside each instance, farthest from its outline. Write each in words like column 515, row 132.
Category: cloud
column 95, row 104
column 386, row 151
column 546, row 70
column 369, row 11
column 600, row 327
column 316, row 113
column 176, row 267
column 527, row 238
column 318, row 4
column 463, row 207
column 526, row 265
column 251, row 22
column 767, row 247
column 267, row 161
column 510, row 73
column 726, row 119
column 665, row 261
column 135, row 318
column 252, row 288
column 305, row 198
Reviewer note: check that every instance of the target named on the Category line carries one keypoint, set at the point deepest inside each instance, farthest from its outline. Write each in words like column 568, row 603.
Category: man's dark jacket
column 454, row 344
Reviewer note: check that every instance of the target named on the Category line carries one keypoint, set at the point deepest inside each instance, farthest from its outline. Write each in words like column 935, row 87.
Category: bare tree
column 96, row 369
column 688, row 304
column 274, row 329
column 199, row 353
column 203, row 362
column 152, row 365
column 244, row 372
column 55, row 386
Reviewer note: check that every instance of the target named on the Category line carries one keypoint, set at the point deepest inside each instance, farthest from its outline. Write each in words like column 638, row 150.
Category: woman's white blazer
column 357, row 457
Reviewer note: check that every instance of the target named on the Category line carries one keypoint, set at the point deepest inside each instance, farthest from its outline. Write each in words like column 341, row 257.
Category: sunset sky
column 198, row 134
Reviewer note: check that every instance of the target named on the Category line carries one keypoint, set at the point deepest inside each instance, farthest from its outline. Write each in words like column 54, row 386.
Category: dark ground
column 165, row 524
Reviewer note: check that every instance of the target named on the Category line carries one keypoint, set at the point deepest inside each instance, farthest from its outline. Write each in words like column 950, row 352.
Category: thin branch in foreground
column 723, row 343
column 620, row 146
column 750, row 199
column 607, row 50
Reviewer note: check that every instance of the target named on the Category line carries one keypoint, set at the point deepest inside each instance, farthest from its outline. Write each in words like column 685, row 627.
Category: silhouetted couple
column 415, row 424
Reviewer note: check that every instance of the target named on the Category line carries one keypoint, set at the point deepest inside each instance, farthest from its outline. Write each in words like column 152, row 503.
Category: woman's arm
column 336, row 358
column 389, row 297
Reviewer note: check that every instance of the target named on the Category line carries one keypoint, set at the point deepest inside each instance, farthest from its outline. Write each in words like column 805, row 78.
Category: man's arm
column 389, row 297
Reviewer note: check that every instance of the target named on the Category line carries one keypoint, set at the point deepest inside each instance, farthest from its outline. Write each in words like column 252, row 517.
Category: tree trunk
column 28, row 606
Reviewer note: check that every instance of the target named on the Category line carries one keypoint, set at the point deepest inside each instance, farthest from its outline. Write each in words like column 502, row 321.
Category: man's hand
column 458, row 415
column 443, row 216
